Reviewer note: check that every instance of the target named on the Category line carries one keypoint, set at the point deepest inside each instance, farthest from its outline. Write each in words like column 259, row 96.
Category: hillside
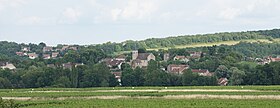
column 186, row 40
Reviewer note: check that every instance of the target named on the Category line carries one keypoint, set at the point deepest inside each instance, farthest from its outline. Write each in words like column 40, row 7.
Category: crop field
column 148, row 97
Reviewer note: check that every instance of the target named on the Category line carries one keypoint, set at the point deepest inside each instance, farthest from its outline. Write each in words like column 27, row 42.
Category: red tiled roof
column 113, row 62
column 275, row 59
column 173, row 68
column 223, row 81
column 180, row 57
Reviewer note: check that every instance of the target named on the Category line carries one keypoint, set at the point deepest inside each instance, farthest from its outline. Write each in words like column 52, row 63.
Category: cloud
column 230, row 13
column 11, row 4
column 131, row 10
column 71, row 13
column 138, row 9
column 30, row 20
column 70, row 16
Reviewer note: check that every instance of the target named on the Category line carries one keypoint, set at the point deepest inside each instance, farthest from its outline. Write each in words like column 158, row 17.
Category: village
column 137, row 60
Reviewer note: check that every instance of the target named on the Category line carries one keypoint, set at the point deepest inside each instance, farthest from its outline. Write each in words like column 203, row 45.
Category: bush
column 8, row 104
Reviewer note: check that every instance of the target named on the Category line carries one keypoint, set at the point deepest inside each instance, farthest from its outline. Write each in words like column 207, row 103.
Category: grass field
column 148, row 97
column 207, row 44
column 215, row 43
column 153, row 103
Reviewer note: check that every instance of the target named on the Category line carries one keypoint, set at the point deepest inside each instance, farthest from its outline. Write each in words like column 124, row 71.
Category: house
column 32, row 55
column 121, row 57
column 114, row 63
column 223, row 81
column 46, row 56
column 73, row 48
column 202, row 72
column 166, row 56
column 78, row 64
column 7, row 66
column 263, row 61
column 25, row 49
column 65, row 47
column 181, row 58
column 70, row 65
column 275, row 59
column 141, row 59
column 55, row 54
column 67, row 65
column 176, row 69
column 47, row 49
column 267, row 60
column 118, row 76
column 51, row 66
column 20, row 53
column 194, row 54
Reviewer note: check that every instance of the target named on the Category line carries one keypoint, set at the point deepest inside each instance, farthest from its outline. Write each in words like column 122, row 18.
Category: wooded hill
column 129, row 45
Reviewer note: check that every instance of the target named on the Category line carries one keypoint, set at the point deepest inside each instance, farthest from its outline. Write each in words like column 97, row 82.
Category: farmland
column 217, row 43
column 190, row 96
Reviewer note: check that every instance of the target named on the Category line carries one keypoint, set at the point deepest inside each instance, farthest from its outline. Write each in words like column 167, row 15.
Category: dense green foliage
column 187, row 40
column 8, row 104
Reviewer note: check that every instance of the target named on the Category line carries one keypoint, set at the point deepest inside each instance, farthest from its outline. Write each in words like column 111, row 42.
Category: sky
column 97, row 21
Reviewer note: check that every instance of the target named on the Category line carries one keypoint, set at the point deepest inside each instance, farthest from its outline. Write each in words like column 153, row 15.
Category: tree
column 139, row 79
column 189, row 78
column 141, row 50
column 72, row 56
column 222, row 72
column 30, row 77
column 42, row 44
column 113, row 81
column 96, row 76
column 74, row 78
column 127, row 76
column 8, row 104
column 63, row 82
column 236, row 76
column 5, row 83
column 154, row 76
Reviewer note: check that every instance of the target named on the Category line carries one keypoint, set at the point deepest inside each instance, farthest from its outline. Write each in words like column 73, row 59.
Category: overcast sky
column 98, row 21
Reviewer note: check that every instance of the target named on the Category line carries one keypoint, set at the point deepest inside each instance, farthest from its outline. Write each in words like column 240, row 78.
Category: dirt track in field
column 192, row 96
column 163, row 90
column 274, row 97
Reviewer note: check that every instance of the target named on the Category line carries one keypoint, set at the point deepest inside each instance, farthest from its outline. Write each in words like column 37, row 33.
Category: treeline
column 246, row 49
column 187, row 39
column 97, row 75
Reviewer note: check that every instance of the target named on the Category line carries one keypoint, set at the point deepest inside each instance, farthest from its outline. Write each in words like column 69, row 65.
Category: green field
column 153, row 103
column 148, row 97
column 207, row 44
column 216, row 43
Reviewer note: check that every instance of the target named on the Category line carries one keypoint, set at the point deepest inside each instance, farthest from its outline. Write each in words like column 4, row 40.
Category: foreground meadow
column 152, row 103
column 151, row 97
